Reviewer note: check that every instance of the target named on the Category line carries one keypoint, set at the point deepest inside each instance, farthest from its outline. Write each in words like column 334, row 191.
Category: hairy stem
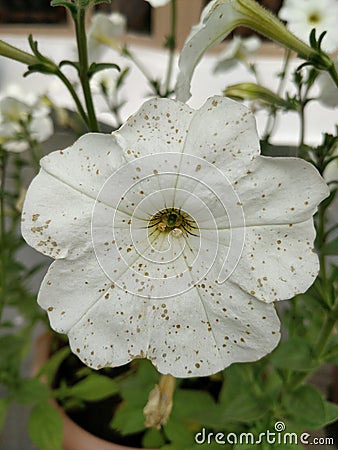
column 172, row 47
column 81, row 39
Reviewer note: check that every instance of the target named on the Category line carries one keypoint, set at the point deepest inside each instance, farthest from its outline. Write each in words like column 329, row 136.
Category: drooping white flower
column 238, row 50
column 328, row 95
column 304, row 15
column 172, row 238
column 19, row 119
column 103, row 81
column 217, row 20
column 104, row 29
column 157, row 3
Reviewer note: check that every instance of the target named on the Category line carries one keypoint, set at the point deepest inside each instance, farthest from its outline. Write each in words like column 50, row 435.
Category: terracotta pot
column 74, row 437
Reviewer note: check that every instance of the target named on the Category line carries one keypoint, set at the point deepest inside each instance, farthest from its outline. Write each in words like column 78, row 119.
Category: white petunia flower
column 217, row 20
column 304, row 15
column 238, row 50
column 104, row 82
column 157, row 3
column 104, row 29
column 17, row 119
column 172, row 238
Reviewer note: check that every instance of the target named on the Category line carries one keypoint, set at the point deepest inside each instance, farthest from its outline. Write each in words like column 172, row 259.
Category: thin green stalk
column 81, row 39
column 172, row 47
column 333, row 73
column 271, row 123
column 3, row 161
column 303, row 102
column 126, row 52
column 74, row 95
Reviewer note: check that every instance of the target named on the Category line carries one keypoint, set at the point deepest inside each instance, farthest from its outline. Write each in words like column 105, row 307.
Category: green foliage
column 4, row 403
column 306, row 408
column 153, row 439
column 294, row 354
column 92, row 388
column 31, row 391
column 134, row 390
column 45, row 427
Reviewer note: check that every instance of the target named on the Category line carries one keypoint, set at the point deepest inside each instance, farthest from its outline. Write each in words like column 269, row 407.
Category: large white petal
column 280, row 191
column 87, row 164
column 56, row 217
column 194, row 334
column 70, row 288
column 230, row 139
column 160, row 125
column 57, row 210
column 277, row 261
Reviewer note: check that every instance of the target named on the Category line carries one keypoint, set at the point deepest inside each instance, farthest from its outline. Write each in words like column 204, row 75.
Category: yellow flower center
column 314, row 18
column 172, row 219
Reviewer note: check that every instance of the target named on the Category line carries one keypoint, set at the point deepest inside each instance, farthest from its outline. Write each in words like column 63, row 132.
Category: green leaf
column 45, row 427
column 127, row 419
column 307, row 409
column 53, row 363
column 4, row 403
column 331, row 412
column 331, row 248
column 70, row 6
column 66, row 62
column 31, row 391
column 179, row 434
column 294, row 354
column 95, row 67
column 153, row 439
column 136, row 387
column 11, row 352
column 92, row 388
column 237, row 398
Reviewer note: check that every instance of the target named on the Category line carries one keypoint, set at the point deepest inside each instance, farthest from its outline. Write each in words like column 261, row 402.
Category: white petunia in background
column 304, row 15
column 237, row 51
column 104, row 29
column 23, row 117
column 173, row 238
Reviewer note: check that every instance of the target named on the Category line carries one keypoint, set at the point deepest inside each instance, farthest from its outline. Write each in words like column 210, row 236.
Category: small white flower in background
column 18, row 118
column 172, row 238
column 237, row 50
column 104, row 82
column 104, row 29
column 218, row 19
column 304, row 15
column 328, row 95
column 157, row 3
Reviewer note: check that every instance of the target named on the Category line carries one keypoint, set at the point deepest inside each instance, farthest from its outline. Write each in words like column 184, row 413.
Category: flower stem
column 81, row 39
column 74, row 95
column 172, row 46
column 334, row 75
column 271, row 123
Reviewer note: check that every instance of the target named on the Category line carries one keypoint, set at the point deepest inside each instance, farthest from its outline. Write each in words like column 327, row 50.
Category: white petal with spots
column 172, row 238
column 196, row 334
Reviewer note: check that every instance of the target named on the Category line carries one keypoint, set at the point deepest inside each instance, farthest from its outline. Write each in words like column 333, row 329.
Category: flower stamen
column 172, row 219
